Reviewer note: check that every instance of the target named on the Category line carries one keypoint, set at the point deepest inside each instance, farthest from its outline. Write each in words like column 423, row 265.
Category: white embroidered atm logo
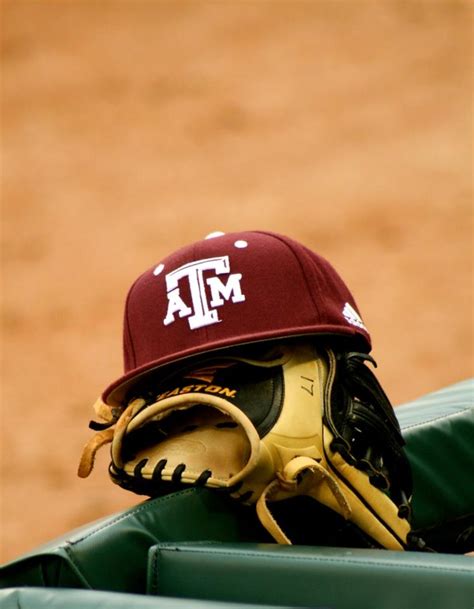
column 201, row 311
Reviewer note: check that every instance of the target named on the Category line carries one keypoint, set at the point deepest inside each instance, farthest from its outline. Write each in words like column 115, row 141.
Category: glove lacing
column 298, row 477
column 105, row 436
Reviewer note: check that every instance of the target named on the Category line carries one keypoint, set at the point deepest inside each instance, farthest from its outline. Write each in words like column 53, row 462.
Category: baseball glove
column 295, row 421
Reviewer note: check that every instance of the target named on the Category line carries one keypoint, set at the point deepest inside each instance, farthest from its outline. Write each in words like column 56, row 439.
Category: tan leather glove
column 298, row 421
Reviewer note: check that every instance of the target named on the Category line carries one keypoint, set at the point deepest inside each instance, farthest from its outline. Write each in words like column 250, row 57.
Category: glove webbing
column 365, row 429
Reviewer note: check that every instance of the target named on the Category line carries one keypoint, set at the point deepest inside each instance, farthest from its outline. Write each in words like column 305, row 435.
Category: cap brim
column 119, row 390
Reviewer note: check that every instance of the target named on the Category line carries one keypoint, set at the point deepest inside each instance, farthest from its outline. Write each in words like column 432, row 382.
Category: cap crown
column 231, row 289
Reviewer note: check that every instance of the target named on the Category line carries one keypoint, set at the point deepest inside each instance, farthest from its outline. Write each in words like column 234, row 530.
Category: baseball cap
column 228, row 290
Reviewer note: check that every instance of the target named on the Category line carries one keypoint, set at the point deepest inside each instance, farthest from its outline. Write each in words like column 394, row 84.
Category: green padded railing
column 54, row 598
column 112, row 553
column 439, row 431
column 307, row 577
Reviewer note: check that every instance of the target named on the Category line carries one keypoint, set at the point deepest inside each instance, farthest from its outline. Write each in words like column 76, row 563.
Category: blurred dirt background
column 132, row 128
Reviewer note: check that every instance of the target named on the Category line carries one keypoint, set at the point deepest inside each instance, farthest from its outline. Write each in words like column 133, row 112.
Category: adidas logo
column 351, row 316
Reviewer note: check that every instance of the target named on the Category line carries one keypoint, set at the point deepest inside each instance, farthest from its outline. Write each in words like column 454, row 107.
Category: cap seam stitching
column 289, row 246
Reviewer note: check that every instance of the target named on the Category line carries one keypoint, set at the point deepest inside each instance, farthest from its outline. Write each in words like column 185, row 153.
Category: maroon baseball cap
column 226, row 290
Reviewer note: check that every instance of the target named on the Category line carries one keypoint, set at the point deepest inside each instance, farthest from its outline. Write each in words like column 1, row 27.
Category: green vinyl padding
column 111, row 554
column 439, row 432
column 305, row 576
column 61, row 598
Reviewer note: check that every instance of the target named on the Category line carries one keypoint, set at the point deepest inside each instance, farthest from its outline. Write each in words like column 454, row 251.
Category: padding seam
column 77, row 566
column 317, row 559
column 154, row 569
column 149, row 505
column 440, row 418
